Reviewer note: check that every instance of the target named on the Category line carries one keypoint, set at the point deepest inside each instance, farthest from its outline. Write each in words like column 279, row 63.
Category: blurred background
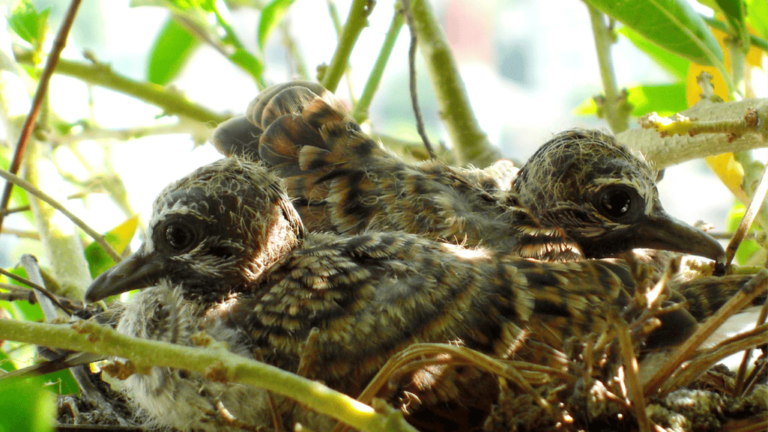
column 529, row 67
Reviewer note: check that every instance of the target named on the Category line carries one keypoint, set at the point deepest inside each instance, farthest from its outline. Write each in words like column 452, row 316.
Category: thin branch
column 196, row 129
column 697, row 366
column 334, row 13
column 360, row 113
column 37, row 287
column 739, row 385
column 614, row 104
column 98, row 238
column 356, row 22
column 87, row 336
column 29, row 123
column 412, row 79
column 749, row 216
column 170, row 101
column 32, row 267
column 469, row 141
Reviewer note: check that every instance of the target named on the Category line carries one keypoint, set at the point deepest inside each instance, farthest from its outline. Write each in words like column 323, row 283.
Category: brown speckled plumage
column 581, row 193
column 370, row 295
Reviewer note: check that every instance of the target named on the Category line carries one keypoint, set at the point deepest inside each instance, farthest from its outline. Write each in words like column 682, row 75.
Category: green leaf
column 6, row 363
column 26, row 407
column 672, row 63
column 270, row 17
column 172, row 49
column 732, row 8
column 665, row 99
column 23, row 309
column 29, row 24
column 60, row 382
column 671, row 24
column 757, row 17
column 248, row 62
column 119, row 238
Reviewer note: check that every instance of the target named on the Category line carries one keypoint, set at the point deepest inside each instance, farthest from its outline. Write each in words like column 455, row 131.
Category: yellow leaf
column 120, row 236
column 730, row 172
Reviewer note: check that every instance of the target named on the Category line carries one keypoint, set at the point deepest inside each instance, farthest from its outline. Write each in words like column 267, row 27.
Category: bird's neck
column 278, row 242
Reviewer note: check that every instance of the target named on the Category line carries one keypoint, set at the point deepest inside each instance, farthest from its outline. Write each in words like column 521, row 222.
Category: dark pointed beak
column 135, row 272
column 666, row 233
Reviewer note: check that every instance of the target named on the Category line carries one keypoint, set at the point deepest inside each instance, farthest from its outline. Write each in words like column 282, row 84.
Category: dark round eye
column 615, row 202
column 179, row 236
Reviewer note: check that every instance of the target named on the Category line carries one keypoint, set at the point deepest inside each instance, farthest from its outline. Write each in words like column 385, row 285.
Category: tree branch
column 614, row 105
column 356, row 22
column 470, row 142
column 171, row 102
column 87, row 336
column 671, row 150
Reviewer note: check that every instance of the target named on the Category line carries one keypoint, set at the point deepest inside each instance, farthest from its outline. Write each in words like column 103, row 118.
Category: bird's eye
column 615, row 202
column 179, row 236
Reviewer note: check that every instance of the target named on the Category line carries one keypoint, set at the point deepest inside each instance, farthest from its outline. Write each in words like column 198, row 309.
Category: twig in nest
column 754, row 288
column 739, row 386
column 749, row 216
column 701, row 363
column 412, row 79
column 630, row 367
column 458, row 356
column 42, row 87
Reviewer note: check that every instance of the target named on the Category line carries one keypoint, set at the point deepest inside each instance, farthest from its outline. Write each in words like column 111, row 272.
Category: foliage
column 670, row 32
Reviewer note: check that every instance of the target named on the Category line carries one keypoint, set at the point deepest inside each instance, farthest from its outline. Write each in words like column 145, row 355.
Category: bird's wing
column 373, row 295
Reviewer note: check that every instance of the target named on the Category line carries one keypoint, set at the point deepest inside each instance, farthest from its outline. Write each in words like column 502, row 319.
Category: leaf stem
column 617, row 117
column 356, row 22
column 360, row 113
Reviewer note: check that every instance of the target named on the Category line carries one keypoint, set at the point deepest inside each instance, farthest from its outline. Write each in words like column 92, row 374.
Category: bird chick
column 581, row 193
column 244, row 270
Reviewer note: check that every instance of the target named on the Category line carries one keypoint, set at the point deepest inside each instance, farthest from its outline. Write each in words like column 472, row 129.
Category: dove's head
column 604, row 197
column 214, row 232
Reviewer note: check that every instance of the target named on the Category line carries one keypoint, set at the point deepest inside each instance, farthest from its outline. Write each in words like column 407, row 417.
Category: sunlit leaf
column 248, row 62
column 671, row 24
column 757, row 16
column 22, row 309
column 270, row 17
column 29, row 24
column 119, row 238
column 665, row 99
column 25, row 406
column 60, row 382
column 6, row 363
column 172, row 49
column 672, row 63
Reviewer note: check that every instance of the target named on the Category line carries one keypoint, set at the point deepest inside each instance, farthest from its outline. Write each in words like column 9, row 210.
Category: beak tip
column 720, row 266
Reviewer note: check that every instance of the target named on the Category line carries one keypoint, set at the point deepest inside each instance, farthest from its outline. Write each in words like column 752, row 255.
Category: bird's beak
column 667, row 233
column 135, row 272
